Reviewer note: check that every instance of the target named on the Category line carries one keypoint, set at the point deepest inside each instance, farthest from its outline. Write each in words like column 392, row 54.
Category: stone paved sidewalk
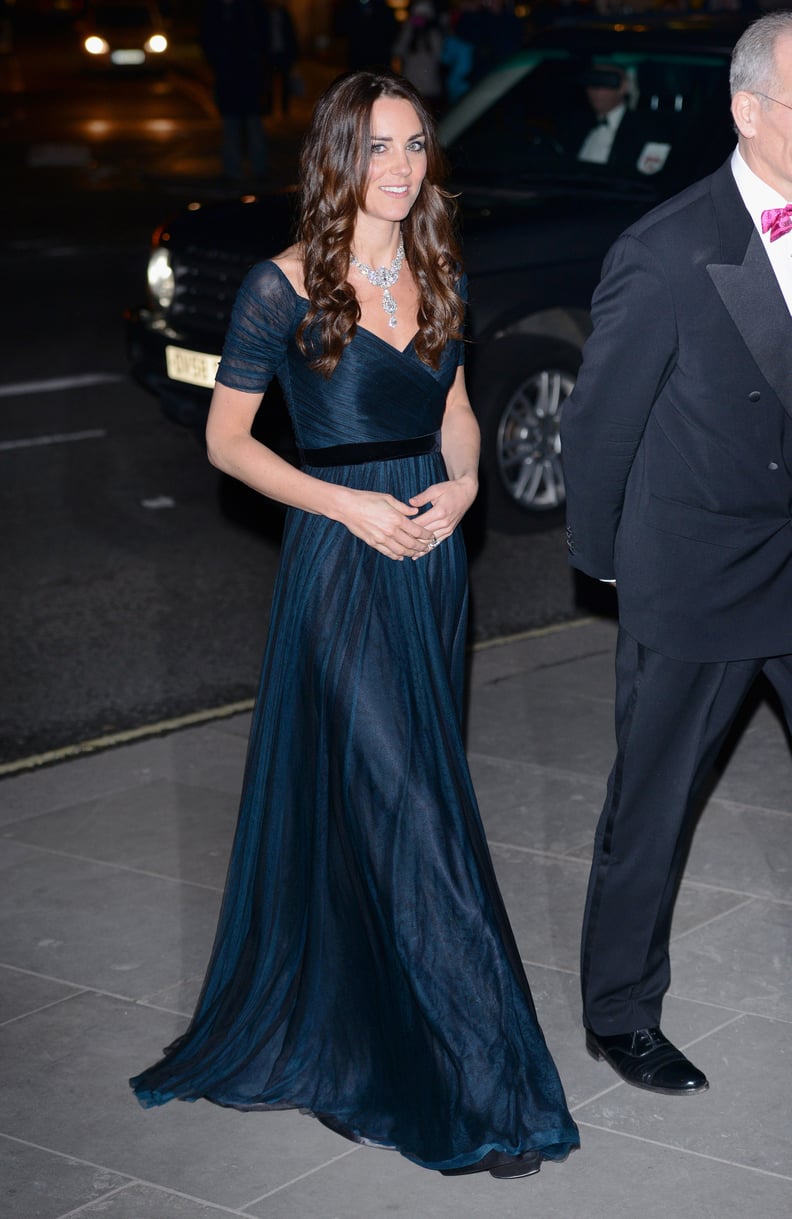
column 112, row 866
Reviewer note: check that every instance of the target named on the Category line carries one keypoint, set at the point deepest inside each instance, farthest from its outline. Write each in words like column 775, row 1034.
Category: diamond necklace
column 383, row 277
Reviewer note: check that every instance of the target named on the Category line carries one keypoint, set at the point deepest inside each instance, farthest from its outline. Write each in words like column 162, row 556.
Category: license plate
column 192, row 367
column 127, row 57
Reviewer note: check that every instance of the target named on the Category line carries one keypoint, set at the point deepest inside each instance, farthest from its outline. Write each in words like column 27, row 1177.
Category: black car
column 536, row 223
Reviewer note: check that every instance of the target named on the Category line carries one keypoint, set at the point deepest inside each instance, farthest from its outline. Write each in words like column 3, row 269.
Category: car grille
column 206, row 283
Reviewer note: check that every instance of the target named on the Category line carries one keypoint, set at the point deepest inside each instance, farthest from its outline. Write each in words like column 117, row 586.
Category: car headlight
column 161, row 281
column 156, row 44
column 95, row 45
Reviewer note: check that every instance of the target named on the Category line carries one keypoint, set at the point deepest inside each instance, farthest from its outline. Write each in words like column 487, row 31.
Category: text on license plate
column 193, row 367
column 128, row 57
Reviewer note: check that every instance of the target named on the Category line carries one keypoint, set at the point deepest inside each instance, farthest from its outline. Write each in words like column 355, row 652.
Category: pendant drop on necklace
column 389, row 305
column 385, row 278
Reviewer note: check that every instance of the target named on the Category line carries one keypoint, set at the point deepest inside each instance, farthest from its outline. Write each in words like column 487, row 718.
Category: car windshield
column 527, row 123
column 123, row 16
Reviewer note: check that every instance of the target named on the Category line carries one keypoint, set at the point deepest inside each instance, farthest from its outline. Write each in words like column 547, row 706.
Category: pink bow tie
column 778, row 220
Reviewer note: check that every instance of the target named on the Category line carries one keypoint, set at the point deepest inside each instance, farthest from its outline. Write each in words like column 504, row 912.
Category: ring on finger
column 434, row 542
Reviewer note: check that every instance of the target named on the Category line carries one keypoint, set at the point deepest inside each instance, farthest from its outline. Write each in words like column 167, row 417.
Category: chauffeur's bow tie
column 778, row 220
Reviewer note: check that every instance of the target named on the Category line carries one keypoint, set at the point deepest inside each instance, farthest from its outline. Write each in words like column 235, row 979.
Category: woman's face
column 398, row 159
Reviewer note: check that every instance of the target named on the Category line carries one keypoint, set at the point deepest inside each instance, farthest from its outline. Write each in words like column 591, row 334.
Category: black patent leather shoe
column 501, row 1165
column 647, row 1059
column 525, row 1165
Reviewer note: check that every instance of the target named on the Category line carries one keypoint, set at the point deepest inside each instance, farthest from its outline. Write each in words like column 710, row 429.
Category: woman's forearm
column 460, row 442
column 232, row 449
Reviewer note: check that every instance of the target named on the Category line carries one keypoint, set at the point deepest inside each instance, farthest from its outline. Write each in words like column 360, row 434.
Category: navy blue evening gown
column 364, row 969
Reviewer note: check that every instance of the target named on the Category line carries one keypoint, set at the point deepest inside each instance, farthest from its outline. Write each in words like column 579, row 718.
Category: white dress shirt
column 758, row 197
column 598, row 143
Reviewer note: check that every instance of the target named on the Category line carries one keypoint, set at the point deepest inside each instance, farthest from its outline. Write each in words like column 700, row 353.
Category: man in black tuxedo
column 677, row 446
column 610, row 131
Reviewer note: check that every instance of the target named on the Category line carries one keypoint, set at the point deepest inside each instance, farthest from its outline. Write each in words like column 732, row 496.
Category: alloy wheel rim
column 529, row 441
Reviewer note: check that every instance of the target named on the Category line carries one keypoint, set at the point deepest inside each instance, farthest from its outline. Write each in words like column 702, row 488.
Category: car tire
column 519, row 389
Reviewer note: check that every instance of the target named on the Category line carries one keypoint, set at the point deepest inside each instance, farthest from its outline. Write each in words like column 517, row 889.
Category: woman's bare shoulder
column 290, row 263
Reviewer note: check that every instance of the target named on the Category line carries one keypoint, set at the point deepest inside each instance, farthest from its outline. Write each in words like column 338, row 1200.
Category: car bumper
column 147, row 339
column 125, row 61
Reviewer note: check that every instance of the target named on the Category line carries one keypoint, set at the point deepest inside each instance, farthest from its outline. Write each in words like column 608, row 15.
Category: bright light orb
column 95, row 45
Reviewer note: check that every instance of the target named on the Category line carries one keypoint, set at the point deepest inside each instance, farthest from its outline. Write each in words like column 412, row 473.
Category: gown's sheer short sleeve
column 262, row 322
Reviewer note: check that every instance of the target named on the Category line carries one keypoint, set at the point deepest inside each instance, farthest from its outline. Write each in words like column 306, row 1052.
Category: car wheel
column 520, row 388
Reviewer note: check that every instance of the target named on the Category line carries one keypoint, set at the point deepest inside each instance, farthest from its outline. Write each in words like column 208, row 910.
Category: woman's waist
column 356, row 453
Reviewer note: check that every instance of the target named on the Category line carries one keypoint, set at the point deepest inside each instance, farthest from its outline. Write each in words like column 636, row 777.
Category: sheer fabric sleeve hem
column 262, row 322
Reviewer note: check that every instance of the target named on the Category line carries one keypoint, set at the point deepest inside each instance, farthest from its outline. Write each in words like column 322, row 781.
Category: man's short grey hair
column 753, row 65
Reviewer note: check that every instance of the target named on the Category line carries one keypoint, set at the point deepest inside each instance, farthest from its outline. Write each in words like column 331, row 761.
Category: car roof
column 699, row 32
column 148, row 7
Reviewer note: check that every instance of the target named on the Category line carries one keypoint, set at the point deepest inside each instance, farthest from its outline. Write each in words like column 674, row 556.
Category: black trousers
column 672, row 717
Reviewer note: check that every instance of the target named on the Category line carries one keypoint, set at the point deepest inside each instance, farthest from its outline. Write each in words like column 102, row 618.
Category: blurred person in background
column 418, row 50
column 370, row 28
column 611, row 131
column 492, row 28
column 458, row 55
column 283, row 52
column 235, row 39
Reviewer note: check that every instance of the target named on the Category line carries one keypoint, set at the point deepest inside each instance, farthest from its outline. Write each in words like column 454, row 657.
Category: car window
column 678, row 107
column 121, row 16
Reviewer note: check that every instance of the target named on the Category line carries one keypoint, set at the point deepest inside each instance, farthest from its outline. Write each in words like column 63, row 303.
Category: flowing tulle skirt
column 364, row 968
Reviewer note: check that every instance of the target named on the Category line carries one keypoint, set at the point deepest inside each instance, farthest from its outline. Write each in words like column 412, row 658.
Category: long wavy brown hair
column 334, row 163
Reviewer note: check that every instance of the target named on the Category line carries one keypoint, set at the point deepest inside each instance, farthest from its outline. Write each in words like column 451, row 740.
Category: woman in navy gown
column 364, row 970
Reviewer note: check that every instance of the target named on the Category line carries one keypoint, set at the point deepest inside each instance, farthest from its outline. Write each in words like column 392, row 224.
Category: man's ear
column 744, row 108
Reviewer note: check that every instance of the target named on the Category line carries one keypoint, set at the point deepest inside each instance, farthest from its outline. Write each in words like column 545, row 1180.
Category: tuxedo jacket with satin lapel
column 633, row 133
column 677, row 439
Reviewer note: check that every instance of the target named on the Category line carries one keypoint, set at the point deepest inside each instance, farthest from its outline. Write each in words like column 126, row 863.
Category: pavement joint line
column 310, row 1172
column 101, row 1200
column 80, row 990
column 65, row 1155
column 112, row 864
column 160, row 728
column 54, row 384
column 528, row 963
column 553, row 856
column 748, row 899
column 44, row 1007
column 687, row 1151
column 129, row 1180
column 125, row 737
column 33, row 442
column 536, row 632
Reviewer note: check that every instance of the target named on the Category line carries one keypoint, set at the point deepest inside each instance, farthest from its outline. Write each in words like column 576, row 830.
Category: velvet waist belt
column 373, row 450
